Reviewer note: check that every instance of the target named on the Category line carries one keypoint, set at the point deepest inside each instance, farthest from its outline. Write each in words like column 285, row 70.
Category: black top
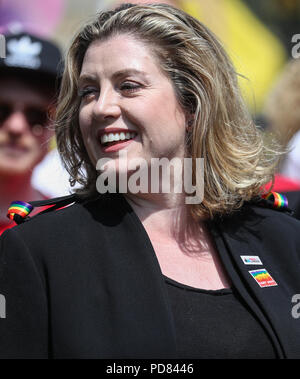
column 216, row 324
column 85, row 282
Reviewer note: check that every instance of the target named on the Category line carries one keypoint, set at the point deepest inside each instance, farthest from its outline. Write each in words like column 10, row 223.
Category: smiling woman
column 142, row 58
column 144, row 274
column 125, row 96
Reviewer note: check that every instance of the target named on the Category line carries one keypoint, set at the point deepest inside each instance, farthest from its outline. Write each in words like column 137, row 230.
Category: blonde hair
column 282, row 107
column 236, row 161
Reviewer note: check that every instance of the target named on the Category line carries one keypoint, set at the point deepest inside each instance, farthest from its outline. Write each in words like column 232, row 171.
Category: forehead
column 117, row 53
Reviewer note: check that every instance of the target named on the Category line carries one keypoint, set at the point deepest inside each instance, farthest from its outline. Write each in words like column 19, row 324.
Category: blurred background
column 256, row 34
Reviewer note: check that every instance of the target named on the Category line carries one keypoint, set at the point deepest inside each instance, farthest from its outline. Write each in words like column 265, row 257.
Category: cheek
column 166, row 110
column 2, row 135
column 39, row 146
column 84, row 123
column 89, row 139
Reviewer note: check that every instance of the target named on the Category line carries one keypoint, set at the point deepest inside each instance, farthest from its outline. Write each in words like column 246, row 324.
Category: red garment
column 4, row 226
column 284, row 184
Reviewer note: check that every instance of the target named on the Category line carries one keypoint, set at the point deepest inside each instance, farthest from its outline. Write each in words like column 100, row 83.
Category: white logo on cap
column 23, row 53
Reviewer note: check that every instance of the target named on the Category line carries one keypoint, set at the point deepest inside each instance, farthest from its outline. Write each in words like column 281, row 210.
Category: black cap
column 28, row 53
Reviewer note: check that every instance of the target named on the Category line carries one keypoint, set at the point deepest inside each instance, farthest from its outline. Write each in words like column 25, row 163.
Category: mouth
column 113, row 140
column 13, row 149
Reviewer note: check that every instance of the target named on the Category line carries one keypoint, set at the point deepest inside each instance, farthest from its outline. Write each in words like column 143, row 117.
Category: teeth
column 111, row 137
column 104, row 139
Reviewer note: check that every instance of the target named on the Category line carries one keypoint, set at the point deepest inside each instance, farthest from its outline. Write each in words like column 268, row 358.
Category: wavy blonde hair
column 236, row 161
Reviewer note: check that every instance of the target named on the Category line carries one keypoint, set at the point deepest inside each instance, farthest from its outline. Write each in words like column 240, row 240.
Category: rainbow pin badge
column 19, row 208
column 263, row 278
column 279, row 201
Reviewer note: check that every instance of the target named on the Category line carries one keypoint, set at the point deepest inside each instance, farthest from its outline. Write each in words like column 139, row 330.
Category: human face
column 123, row 89
column 23, row 140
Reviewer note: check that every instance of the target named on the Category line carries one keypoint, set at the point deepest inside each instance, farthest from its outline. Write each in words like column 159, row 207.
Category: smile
column 113, row 139
column 109, row 138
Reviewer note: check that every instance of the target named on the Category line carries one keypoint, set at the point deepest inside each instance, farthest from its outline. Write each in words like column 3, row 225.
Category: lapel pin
column 251, row 260
column 263, row 278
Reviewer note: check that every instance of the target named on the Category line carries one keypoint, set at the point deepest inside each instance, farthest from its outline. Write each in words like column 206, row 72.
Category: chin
column 16, row 168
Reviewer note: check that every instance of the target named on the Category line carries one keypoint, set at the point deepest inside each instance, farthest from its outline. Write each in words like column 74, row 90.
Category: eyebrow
column 129, row 71
column 116, row 75
column 86, row 78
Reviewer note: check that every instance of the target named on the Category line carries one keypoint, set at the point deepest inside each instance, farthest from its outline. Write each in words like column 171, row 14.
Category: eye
column 85, row 92
column 130, row 87
column 37, row 116
column 5, row 111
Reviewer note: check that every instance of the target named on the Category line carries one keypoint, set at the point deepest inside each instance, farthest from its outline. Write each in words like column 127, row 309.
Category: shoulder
column 54, row 238
column 267, row 232
column 77, row 218
column 273, row 232
column 63, row 222
column 53, row 220
column 255, row 217
column 273, row 219
column 269, row 214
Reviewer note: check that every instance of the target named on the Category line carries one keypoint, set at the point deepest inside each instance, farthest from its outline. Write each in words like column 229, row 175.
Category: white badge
column 251, row 260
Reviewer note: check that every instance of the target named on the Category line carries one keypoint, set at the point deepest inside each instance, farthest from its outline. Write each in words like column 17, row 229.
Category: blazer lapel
column 142, row 296
column 268, row 295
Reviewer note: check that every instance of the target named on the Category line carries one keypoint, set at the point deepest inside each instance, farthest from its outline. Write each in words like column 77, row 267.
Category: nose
column 107, row 105
column 16, row 123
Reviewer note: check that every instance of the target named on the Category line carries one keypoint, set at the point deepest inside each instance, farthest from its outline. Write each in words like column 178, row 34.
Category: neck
column 168, row 219
column 15, row 188
column 155, row 210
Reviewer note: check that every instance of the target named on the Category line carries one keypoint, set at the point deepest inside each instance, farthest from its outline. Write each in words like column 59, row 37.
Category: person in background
column 281, row 109
column 28, row 85
column 282, row 115
column 291, row 164
column 291, row 169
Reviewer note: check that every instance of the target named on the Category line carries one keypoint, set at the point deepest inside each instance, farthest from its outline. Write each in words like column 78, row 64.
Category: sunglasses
column 34, row 116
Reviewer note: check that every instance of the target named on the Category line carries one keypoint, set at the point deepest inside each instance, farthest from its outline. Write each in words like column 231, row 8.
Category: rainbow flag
column 263, row 278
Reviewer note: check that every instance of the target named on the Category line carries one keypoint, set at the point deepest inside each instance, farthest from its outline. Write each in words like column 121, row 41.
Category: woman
column 140, row 274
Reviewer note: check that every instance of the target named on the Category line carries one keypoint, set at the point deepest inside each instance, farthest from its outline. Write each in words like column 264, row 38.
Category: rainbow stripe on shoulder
column 279, row 201
column 20, row 208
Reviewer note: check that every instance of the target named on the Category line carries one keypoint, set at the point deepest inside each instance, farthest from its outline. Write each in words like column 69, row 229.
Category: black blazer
column 84, row 282
column 294, row 202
